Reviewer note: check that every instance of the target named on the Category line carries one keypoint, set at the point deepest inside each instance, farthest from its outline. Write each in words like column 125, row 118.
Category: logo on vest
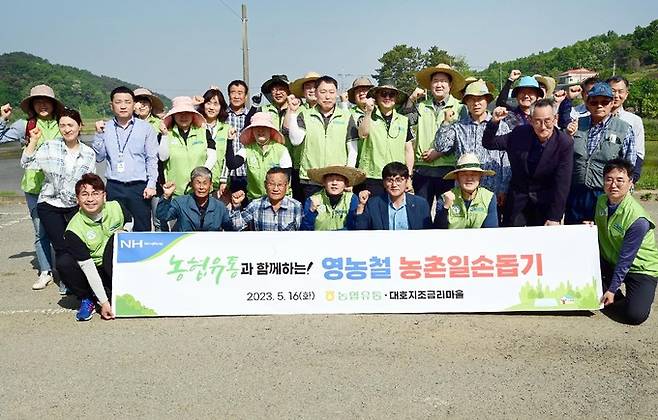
column 91, row 235
column 456, row 209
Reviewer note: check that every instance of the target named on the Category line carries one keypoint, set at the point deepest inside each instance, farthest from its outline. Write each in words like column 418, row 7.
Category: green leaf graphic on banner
column 127, row 305
column 564, row 297
column 168, row 247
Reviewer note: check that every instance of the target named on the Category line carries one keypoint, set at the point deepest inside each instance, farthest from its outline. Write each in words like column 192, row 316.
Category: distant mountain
column 78, row 89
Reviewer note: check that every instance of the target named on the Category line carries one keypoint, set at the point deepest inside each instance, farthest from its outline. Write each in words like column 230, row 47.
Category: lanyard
column 116, row 134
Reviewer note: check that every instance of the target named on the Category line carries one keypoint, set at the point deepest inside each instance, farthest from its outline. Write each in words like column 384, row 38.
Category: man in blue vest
column 599, row 138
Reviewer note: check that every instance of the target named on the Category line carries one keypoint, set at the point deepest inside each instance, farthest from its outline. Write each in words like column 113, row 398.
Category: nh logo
column 131, row 243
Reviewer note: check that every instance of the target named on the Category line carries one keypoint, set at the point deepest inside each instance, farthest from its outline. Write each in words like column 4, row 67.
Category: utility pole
column 245, row 49
column 614, row 67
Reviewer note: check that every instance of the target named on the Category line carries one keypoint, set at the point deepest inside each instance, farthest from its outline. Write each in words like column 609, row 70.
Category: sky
column 181, row 47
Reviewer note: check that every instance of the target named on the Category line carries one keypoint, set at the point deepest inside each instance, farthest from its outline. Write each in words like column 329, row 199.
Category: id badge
column 121, row 167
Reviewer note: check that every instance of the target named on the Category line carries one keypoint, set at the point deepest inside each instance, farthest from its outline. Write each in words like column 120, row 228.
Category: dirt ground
column 580, row 365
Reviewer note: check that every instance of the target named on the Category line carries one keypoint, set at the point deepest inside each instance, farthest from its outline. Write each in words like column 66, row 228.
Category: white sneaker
column 44, row 280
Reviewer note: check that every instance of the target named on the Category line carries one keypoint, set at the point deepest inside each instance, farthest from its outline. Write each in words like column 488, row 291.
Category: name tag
column 121, row 167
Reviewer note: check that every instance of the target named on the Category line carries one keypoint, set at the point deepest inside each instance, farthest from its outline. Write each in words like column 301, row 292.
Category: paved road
column 364, row 366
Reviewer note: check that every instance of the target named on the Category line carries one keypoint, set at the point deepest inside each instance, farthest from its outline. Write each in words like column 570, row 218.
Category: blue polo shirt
column 397, row 218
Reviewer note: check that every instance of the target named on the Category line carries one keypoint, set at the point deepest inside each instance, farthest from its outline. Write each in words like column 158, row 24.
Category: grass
column 649, row 178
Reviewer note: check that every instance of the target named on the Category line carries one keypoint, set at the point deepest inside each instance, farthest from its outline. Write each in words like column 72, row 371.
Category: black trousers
column 430, row 188
column 308, row 190
column 297, row 191
column 375, row 186
column 75, row 278
column 55, row 220
column 237, row 183
column 635, row 307
column 131, row 196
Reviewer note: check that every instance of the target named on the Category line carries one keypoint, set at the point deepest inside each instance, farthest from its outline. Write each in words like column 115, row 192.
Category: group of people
column 371, row 158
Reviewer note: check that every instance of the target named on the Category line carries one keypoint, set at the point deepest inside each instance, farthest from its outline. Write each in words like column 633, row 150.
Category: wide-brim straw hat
column 183, row 104
column 261, row 119
column 477, row 88
column 400, row 98
column 354, row 176
column 547, row 81
column 157, row 107
column 424, row 77
column 527, row 82
column 276, row 78
column 468, row 162
column 297, row 87
column 360, row 82
column 470, row 79
column 41, row 91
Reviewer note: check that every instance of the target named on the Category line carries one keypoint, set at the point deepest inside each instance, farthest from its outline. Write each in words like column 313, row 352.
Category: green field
column 649, row 178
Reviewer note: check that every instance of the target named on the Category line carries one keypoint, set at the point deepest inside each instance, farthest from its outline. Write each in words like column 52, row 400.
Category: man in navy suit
column 395, row 210
column 541, row 158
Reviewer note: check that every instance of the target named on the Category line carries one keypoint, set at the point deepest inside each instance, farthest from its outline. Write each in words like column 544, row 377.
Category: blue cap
column 601, row 89
column 527, row 82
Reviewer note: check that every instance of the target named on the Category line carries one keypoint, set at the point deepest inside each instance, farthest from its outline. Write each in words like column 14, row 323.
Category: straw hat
column 41, row 91
column 424, row 77
column 183, row 104
column 276, row 78
column 547, row 81
column 527, row 82
column 400, row 98
column 468, row 162
column 157, row 106
column 261, row 119
column 354, row 176
column 297, row 87
column 470, row 79
column 478, row 88
column 360, row 82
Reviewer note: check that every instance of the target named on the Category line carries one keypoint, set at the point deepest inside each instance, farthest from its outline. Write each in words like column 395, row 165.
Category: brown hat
column 399, row 99
column 360, row 82
column 297, row 87
column 478, row 88
column 41, row 91
column 424, row 77
column 470, row 79
column 548, row 82
column 353, row 176
column 157, row 107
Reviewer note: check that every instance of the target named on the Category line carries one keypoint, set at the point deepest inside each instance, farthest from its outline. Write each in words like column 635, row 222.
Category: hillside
column 78, row 89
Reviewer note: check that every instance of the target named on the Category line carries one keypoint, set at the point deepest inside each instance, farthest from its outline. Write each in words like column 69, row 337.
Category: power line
column 231, row 9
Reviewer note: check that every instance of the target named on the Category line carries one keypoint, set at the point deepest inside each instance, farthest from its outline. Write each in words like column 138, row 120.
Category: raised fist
column 499, row 113
column 237, row 198
column 448, row 199
column 514, row 74
column 100, row 127
column 370, row 105
column 5, row 112
column 168, row 189
column 363, row 197
column 293, row 103
column 417, row 94
column 35, row 134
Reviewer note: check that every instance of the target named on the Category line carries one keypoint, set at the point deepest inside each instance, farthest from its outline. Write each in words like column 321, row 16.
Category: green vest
column 154, row 122
column 220, row 135
column 612, row 230
column 185, row 156
column 383, row 145
column 33, row 179
column 95, row 234
column 429, row 122
column 459, row 217
column 357, row 113
column 588, row 169
column 295, row 151
column 324, row 146
column 332, row 218
column 259, row 161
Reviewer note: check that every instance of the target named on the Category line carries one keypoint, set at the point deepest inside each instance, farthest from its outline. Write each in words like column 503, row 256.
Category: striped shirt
column 237, row 121
column 59, row 185
column 260, row 215
column 595, row 136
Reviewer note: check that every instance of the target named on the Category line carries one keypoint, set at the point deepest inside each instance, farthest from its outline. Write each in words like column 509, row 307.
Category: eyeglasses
column 611, row 181
column 546, row 123
column 398, row 180
column 94, row 194
column 277, row 186
column 388, row 94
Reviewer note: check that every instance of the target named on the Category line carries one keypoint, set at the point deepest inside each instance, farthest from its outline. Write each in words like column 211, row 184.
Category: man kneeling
column 86, row 263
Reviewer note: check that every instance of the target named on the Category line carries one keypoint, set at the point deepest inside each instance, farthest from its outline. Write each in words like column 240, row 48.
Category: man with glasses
column 619, row 86
column 600, row 137
column 541, row 159
column 273, row 212
column 395, row 209
column 628, row 246
column 386, row 137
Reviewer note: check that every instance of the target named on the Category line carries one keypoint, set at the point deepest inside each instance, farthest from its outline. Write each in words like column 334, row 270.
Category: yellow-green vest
column 295, row 151
column 332, row 218
column 260, row 160
column 220, row 135
column 185, row 156
column 324, row 146
column 613, row 229
column 383, row 145
column 33, row 179
column 95, row 234
column 429, row 122
column 460, row 217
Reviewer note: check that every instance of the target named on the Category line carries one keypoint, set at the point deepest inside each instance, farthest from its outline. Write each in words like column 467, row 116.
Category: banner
column 465, row 270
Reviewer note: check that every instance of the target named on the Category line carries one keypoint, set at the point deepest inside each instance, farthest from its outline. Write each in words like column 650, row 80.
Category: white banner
column 465, row 270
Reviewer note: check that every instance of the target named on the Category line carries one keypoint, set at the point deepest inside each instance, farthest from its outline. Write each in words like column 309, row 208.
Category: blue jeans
column 41, row 241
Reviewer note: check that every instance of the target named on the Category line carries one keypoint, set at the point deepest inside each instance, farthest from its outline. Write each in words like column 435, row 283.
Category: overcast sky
column 180, row 47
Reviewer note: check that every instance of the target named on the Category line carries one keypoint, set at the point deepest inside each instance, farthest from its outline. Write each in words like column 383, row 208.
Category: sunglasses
column 388, row 94
column 604, row 102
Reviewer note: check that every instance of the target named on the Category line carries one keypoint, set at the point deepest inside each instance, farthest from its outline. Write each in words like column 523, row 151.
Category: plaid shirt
column 260, row 215
column 60, row 184
column 597, row 132
column 465, row 136
column 236, row 120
